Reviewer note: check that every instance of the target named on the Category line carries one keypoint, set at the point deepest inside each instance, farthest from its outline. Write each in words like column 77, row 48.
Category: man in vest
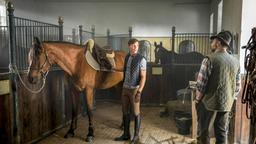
column 134, row 81
column 218, row 84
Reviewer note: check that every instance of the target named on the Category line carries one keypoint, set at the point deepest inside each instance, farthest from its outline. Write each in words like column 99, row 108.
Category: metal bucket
column 183, row 122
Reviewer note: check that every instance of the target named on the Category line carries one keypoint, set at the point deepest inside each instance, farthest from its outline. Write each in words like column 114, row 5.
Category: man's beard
column 213, row 50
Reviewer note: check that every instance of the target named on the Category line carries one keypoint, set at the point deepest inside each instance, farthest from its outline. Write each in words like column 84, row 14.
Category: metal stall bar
column 25, row 31
column 13, row 76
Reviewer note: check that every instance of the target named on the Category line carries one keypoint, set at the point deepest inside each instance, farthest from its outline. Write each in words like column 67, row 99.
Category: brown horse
column 71, row 58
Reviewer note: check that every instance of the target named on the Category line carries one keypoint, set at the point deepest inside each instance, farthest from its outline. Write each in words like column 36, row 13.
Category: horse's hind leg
column 73, row 125
column 89, row 98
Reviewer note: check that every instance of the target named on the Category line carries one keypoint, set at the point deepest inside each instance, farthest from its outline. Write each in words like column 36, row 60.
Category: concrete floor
column 154, row 130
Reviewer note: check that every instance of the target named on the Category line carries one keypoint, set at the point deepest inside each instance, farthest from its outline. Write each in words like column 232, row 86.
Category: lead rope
column 14, row 69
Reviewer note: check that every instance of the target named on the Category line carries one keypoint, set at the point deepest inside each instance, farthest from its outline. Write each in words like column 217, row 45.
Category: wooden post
column 192, row 85
column 13, row 76
column 60, row 21
column 194, row 117
column 81, row 34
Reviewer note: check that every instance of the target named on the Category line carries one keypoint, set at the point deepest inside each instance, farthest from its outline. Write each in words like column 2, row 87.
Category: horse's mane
column 163, row 49
column 166, row 51
column 61, row 42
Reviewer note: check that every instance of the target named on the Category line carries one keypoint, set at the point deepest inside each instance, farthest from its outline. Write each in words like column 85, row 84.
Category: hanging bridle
column 249, row 92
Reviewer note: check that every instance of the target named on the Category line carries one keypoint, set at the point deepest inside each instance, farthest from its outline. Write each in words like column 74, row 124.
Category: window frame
column 2, row 14
column 220, row 15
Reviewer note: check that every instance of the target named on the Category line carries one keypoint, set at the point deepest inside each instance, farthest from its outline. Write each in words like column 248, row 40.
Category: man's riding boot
column 126, row 135
column 135, row 139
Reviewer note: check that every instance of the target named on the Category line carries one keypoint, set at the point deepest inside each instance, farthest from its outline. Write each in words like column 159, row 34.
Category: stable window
column 219, row 20
column 2, row 13
column 211, row 22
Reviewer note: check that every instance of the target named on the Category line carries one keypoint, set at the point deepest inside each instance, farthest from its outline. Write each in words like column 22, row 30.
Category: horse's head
column 38, row 61
column 157, row 51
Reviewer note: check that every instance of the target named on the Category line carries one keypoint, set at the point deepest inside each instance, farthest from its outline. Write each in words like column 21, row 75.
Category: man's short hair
column 132, row 41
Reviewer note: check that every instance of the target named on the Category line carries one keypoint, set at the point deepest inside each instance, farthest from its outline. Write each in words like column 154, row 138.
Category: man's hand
column 137, row 97
column 197, row 103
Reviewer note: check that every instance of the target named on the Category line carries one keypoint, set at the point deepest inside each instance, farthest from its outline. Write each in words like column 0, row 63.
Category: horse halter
column 43, row 73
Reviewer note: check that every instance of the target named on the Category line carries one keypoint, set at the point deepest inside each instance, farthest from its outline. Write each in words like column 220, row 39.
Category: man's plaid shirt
column 203, row 75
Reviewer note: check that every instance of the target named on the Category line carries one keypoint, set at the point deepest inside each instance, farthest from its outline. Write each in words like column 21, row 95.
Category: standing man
column 134, row 81
column 217, row 85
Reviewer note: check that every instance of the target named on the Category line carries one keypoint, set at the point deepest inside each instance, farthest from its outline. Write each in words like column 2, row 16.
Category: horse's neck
column 164, row 49
column 65, row 57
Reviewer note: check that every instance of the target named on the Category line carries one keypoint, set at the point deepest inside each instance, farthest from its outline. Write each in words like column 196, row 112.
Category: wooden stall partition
column 112, row 94
column 42, row 113
column 242, row 123
column 39, row 114
column 252, row 138
column 5, row 110
column 154, row 90
column 151, row 94
column 163, row 81
column 180, row 76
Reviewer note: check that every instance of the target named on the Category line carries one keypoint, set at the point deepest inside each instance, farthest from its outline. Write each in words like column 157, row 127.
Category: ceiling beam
column 120, row 1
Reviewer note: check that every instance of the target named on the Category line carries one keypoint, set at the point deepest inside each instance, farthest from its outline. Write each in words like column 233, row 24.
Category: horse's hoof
column 89, row 139
column 69, row 134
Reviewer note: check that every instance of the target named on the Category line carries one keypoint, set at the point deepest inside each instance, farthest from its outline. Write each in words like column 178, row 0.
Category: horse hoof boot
column 89, row 139
column 70, row 133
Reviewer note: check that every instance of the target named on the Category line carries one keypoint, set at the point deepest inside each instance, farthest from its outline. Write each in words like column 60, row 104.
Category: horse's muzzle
column 32, row 80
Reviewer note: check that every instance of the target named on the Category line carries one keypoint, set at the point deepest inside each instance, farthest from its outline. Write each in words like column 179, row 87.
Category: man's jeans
column 208, row 119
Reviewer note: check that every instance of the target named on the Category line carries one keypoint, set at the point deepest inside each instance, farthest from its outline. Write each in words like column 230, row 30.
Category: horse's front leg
column 89, row 98
column 73, row 125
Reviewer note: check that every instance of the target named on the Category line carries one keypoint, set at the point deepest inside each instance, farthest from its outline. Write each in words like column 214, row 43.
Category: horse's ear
column 36, row 40
column 36, row 43
column 89, row 44
column 161, row 44
column 155, row 43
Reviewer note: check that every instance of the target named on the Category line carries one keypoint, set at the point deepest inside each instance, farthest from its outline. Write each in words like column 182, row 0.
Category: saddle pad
column 91, row 61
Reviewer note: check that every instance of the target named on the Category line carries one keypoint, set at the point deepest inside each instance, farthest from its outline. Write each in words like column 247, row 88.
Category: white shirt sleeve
column 143, row 64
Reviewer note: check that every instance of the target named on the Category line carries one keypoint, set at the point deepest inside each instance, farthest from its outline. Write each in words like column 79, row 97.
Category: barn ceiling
column 175, row 1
